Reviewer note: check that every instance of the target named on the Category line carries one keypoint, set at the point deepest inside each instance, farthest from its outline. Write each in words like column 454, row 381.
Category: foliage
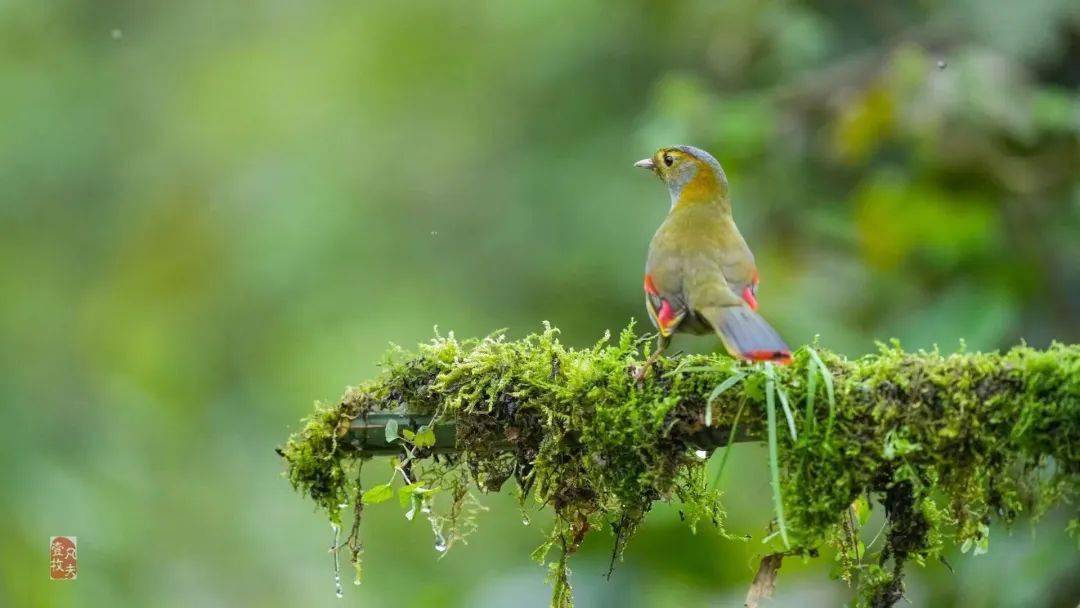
column 985, row 435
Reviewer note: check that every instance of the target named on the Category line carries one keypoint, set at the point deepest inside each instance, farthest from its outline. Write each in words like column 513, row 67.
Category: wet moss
column 983, row 435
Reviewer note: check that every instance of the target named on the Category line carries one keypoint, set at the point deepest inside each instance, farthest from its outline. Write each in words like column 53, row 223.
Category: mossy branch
column 983, row 435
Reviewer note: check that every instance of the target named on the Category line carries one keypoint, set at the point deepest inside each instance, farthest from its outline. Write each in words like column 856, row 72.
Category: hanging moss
column 983, row 435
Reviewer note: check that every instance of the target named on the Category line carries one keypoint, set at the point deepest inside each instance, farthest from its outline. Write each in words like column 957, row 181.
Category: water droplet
column 525, row 520
column 436, row 529
column 702, row 454
column 337, row 565
column 941, row 64
column 116, row 34
column 434, row 233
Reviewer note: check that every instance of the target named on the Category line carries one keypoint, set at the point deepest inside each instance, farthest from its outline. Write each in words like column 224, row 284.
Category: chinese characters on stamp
column 62, row 558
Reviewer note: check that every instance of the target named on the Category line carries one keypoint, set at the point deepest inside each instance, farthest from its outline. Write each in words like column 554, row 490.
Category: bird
column 700, row 275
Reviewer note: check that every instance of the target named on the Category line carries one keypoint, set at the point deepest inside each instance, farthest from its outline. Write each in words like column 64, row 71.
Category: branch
column 367, row 435
column 984, row 434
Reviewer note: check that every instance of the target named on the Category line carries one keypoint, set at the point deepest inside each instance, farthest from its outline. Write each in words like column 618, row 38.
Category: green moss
column 982, row 435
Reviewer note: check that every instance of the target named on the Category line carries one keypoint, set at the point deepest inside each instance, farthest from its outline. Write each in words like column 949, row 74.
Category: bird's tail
column 746, row 335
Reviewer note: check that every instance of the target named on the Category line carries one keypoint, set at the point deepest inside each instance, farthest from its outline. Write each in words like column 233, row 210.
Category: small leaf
column 539, row 555
column 415, row 500
column 408, row 434
column 754, row 387
column 425, row 438
column 377, row 494
column 391, row 430
column 405, row 493
column 862, row 510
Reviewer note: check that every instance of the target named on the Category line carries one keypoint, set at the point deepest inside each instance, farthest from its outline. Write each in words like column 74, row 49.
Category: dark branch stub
column 367, row 435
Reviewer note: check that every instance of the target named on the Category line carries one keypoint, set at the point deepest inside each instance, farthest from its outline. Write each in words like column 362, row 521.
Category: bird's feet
column 640, row 372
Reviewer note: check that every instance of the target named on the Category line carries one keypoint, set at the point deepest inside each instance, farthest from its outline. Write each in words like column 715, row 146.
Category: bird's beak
column 645, row 163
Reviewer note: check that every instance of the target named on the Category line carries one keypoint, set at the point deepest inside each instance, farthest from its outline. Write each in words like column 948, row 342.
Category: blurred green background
column 212, row 214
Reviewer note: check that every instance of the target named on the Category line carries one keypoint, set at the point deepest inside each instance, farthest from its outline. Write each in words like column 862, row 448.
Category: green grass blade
column 774, row 457
column 730, row 441
column 678, row 369
column 787, row 413
column 681, row 368
column 827, row 377
column 719, row 390
column 811, row 392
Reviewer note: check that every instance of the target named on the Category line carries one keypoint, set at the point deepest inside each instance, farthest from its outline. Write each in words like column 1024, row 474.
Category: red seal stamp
column 63, row 558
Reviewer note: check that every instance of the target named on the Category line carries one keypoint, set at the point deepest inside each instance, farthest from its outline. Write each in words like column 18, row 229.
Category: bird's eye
column 668, row 160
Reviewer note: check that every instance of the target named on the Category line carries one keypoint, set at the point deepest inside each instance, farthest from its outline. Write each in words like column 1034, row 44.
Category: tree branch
column 987, row 435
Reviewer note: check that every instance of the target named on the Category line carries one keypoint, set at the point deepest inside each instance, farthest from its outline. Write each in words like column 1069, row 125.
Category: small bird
column 700, row 276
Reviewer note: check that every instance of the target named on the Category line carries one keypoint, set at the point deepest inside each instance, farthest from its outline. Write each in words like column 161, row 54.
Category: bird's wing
column 708, row 286
column 739, row 270
column 666, row 308
column 742, row 280
column 664, row 297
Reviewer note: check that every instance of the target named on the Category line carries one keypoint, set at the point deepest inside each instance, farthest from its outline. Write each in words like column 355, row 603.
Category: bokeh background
column 212, row 214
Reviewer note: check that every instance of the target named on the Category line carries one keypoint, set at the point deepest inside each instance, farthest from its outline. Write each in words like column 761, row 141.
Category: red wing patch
column 650, row 287
column 750, row 292
column 667, row 317
column 748, row 295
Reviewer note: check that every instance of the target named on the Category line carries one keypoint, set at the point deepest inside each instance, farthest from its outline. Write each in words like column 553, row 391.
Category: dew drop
column 436, row 529
column 702, row 454
column 337, row 565
column 941, row 64
column 525, row 520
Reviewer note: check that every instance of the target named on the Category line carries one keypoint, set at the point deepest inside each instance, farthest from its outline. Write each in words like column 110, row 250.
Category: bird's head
column 691, row 174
